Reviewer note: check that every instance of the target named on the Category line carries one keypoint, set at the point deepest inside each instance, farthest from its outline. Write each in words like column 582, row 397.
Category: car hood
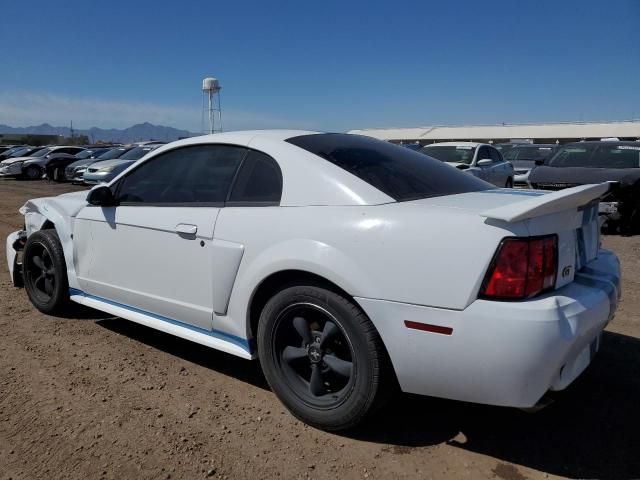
column 582, row 176
column 83, row 162
column 68, row 204
column 9, row 161
column 37, row 161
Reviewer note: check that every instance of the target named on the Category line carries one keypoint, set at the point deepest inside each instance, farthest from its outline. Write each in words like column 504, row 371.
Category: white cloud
column 20, row 109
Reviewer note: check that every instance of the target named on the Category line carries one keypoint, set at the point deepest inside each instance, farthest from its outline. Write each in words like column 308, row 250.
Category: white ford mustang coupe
column 348, row 265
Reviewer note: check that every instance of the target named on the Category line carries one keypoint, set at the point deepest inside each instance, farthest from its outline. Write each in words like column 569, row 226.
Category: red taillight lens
column 522, row 268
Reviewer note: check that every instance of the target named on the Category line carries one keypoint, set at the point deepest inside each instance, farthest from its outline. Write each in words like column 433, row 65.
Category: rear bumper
column 502, row 353
column 521, row 178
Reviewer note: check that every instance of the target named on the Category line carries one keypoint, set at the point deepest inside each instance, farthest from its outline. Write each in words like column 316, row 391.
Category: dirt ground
column 95, row 397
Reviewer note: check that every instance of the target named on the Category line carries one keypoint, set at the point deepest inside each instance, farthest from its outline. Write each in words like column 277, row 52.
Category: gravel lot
column 94, row 397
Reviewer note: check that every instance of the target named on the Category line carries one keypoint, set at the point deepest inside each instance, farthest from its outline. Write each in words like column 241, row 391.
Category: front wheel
column 323, row 357
column 32, row 173
column 509, row 183
column 45, row 272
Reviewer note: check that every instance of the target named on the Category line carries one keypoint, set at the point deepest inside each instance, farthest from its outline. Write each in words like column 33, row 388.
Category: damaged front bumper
column 15, row 246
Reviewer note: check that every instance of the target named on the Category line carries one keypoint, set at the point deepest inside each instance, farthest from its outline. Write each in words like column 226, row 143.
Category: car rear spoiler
column 553, row 202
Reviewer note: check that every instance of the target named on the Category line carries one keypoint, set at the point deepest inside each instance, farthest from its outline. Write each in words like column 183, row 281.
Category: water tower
column 211, row 97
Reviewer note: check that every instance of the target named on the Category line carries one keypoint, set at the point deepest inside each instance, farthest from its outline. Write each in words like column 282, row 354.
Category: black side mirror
column 101, row 196
column 539, row 161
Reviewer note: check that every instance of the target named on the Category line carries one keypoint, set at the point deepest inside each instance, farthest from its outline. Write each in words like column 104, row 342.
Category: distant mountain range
column 135, row 133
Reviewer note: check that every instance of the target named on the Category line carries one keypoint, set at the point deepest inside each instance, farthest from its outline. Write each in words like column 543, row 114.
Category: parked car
column 35, row 167
column 56, row 167
column 523, row 158
column 478, row 159
column 4, row 148
column 348, row 265
column 75, row 171
column 593, row 162
column 18, row 152
column 505, row 147
column 32, row 165
column 12, row 166
column 105, row 170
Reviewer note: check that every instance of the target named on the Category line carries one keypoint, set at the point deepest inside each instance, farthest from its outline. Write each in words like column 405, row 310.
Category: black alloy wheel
column 323, row 357
column 314, row 355
column 44, row 271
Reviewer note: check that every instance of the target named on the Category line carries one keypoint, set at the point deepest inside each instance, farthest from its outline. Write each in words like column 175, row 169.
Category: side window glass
column 259, row 181
column 197, row 174
column 483, row 154
column 495, row 155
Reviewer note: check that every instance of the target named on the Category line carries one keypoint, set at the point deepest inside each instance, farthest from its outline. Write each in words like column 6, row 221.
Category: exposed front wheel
column 322, row 357
column 32, row 173
column 45, row 272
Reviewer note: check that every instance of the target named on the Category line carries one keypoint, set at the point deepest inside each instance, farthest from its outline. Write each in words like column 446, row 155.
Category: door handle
column 186, row 229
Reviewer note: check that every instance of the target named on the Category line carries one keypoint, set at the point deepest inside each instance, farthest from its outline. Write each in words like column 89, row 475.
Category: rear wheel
column 45, row 272
column 57, row 174
column 322, row 357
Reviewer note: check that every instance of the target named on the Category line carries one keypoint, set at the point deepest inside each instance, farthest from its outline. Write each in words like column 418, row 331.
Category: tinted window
column 572, row 156
column 137, row 153
column 113, row 153
column 528, row 153
column 495, row 155
column 616, row 156
column 399, row 172
column 451, row 153
column 69, row 150
column 198, row 174
column 483, row 153
column 259, row 180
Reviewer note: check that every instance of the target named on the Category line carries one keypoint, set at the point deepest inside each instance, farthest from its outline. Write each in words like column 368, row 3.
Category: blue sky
column 331, row 65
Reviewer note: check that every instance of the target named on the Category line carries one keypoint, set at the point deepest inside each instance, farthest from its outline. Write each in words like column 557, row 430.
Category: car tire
column 348, row 369
column 57, row 175
column 32, row 172
column 509, row 183
column 44, row 272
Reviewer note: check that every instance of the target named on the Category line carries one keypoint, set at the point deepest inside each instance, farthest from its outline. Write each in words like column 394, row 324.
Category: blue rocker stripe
column 240, row 342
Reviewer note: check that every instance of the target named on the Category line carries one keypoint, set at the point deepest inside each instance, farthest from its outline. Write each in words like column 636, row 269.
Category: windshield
column 136, row 153
column 113, row 153
column 399, row 172
column 89, row 153
column 41, row 153
column 528, row 154
column 451, row 153
column 597, row 156
column 17, row 152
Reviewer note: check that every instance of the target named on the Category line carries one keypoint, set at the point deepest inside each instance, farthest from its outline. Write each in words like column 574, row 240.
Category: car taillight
column 522, row 268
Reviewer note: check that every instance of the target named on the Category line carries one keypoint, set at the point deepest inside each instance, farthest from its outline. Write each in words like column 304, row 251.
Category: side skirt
column 218, row 340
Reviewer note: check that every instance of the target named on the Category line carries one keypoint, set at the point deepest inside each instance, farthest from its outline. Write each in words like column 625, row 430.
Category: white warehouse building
column 563, row 132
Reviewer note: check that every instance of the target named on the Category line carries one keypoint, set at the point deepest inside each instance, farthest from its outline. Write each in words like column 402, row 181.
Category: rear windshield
column 137, row 153
column 451, row 153
column 401, row 173
column 597, row 156
column 528, row 153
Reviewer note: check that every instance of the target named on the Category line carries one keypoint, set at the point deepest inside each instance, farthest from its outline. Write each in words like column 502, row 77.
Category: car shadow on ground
column 592, row 430
column 229, row 365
